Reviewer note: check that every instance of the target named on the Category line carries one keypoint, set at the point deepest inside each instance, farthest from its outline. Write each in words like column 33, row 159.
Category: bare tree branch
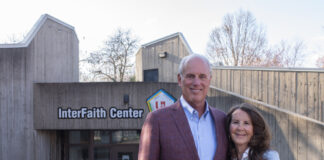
column 320, row 62
column 239, row 41
column 112, row 61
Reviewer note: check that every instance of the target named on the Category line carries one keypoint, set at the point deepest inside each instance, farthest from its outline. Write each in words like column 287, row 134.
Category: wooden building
column 45, row 113
column 49, row 53
column 158, row 61
column 94, row 120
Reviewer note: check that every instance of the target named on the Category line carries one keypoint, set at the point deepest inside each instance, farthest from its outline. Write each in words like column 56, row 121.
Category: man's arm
column 149, row 147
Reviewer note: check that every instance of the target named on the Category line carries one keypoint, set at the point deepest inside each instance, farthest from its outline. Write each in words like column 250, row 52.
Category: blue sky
column 94, row 20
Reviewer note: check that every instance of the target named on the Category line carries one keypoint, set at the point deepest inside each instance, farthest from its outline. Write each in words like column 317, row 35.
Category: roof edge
column 168, row 37
column 31, row 34
column 276, row 69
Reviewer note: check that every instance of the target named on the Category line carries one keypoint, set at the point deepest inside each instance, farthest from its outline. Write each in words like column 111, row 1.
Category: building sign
column 81, row 113
column 99, row 113
column 159, row 99
column 125, row 113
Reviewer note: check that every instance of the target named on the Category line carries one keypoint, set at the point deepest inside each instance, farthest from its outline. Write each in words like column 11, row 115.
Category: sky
column 95, row 20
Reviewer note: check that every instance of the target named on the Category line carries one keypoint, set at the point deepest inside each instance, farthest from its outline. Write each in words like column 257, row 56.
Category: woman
column 249, row 135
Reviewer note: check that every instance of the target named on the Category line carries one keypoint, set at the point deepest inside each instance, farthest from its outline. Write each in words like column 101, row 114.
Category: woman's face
column 241, row 128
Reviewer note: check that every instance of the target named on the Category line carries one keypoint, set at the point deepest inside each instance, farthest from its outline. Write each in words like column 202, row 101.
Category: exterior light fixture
column 163, row 55
column 126, row 99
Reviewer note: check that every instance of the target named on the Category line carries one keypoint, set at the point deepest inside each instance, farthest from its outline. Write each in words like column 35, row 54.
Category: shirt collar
column 191, row 110
column 245, row 155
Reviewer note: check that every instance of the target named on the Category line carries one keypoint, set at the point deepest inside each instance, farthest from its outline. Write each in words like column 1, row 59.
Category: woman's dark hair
column 260, row 141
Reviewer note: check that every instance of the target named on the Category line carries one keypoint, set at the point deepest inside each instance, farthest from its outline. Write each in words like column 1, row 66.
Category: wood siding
column 295, row 138
column 301, row 91
column 49, row 97
column 148, row 58
column 52, row 56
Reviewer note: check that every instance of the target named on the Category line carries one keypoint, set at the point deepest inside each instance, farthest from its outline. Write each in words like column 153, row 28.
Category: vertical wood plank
column 314, row 141
column 287, row 91
column 247, row 83
column 322, row 139
column 291, row 85
column 293, row 137
column 237, row 81
column 271, row 86
column 242, row 74
column 302, row 93
column 255, row 84
column 265, row 86
column 229, row 80
column 243, row 82
column 281, row 132
column 321, row 96
column 224, row 79
column 213, row 74
column 260, row 86
column 276, row 88
column 283, row 90
column 312, row 99
column 302, row 139
column 219, row 78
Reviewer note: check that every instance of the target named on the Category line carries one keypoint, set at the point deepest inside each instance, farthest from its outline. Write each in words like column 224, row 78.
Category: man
column 189, row 129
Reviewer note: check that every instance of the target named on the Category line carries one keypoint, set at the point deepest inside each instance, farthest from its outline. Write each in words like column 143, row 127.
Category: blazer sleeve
column 149, row 147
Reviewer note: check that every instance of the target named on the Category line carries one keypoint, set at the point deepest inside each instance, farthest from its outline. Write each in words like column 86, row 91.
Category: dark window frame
column 91, row 144
column 151, row 75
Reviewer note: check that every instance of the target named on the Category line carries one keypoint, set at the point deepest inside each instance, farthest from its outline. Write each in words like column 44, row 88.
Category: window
column 151, row 75
column 102, row 145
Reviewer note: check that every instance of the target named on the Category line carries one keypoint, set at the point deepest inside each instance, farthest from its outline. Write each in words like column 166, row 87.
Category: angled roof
column 169, row 37
column 31, row 34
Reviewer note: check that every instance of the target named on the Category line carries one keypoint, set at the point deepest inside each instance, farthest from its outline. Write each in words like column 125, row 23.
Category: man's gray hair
column 186, row 59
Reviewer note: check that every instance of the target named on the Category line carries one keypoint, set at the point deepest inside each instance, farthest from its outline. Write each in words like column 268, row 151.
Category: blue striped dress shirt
column 202, row 129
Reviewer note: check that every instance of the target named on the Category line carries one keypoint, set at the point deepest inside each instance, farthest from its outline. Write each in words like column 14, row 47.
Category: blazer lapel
column 183, row 127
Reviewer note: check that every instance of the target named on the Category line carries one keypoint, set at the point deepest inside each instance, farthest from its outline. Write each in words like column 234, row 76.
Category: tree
column 320, row 62
column 284, row 55
column 14, row 38
column 112, row 61
column 239, row 41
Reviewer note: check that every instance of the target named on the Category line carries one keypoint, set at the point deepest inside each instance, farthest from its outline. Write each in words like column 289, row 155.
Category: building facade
column 49, row 53
column 158, row 61
column 45, row 113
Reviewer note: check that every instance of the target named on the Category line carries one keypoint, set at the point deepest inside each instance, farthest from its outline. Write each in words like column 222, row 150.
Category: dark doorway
column 102, row 145
column 151, row 75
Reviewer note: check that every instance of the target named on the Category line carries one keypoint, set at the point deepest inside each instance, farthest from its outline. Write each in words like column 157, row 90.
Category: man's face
column 195, row 81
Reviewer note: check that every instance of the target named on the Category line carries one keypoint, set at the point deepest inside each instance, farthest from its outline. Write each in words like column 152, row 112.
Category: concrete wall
column 49, row 53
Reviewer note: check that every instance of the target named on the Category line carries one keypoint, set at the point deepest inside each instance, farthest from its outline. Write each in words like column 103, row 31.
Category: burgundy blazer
column 166, row 135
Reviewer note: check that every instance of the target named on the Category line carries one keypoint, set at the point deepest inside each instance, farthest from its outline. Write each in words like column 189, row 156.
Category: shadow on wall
column 173, row 58
column 225, row 101
column 293, row 137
